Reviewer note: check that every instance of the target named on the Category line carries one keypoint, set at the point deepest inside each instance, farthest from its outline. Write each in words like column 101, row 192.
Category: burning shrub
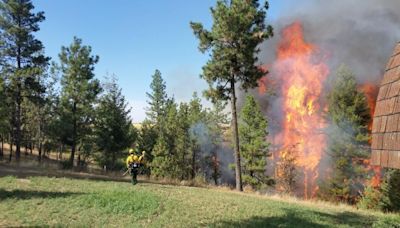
column 385, row 197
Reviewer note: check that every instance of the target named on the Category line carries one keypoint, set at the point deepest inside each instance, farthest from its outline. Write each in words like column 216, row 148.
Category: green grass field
column 43, row 201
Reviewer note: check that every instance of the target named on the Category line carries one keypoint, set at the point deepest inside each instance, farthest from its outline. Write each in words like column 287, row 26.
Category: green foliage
column 182, row 142
column 371, row 199
column 390, row 190
column 79, row 91
column 147, row 138
column 153, row 138
column 216, row 119
column 22, row 61
column 239, row 27
column 348, row 145
column 162, row 163
column 196, row 132
column 386, row 197
column 157, row 100
column 254, row 148
column 233, row 42
column 113, row 126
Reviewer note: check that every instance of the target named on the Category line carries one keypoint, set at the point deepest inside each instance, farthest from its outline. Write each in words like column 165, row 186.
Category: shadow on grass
column 36, row 171
column 25, row 194
column 297, row 218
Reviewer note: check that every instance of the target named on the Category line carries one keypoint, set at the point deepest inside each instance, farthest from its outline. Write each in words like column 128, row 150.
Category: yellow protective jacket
column 133, row 158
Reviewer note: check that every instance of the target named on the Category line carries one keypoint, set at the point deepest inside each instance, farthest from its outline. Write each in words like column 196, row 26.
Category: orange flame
column 303, row 71
column 371, row 92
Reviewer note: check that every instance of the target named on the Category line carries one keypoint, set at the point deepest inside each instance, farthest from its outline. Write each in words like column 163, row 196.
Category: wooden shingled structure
column 386, row 123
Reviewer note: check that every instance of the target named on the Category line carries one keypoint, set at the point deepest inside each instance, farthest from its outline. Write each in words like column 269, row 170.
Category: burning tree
column 302, row 69
column 238, row 30
column 286, row 170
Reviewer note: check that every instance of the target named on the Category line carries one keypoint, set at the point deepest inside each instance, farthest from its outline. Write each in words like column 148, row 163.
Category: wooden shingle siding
column 386, row 122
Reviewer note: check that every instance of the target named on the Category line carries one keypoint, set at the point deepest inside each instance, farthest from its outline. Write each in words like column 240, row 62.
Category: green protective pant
column 134, row 173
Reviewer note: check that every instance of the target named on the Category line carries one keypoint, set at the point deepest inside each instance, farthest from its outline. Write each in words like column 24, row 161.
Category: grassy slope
column 61, row 201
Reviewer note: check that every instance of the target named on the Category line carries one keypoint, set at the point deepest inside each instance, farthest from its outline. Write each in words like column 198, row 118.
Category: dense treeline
column 61, row 107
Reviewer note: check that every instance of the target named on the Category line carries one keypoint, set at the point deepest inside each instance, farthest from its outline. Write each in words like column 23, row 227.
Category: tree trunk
column 40, row 152
column 11, row 150
column 31, row 147
column 235, row 131
column 61, row 152
column 18, row 128
column 2, row 148
column 18, row 111
column 113, row 160
column 194, row 162
column 26, row 149
column 78, row 163
column 74, row 133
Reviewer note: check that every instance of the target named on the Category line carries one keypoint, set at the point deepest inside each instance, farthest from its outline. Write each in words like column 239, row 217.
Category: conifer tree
column 157, row 101
column 233, row 42
column 147, row 138
column 254, row 147
column 196, row 119
column 22, row 59
column 183, row 143
column 390, row 190
column 216, row 119
column 164, row 162
column 78, row 94
column 113, row 126
column 386, row 196
column 348, row 146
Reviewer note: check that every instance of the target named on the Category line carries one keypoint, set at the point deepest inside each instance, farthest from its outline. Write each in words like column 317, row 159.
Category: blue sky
column 133, row 38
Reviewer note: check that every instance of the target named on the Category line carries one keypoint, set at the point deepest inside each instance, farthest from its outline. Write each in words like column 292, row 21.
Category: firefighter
column 133, row 162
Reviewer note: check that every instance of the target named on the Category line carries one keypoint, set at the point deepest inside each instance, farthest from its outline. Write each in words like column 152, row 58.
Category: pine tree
column 22, row 59
column 47, row 115
column 196, row 119
column 164, row 162
column 147, row 138
column 390, row 190
column 254, row 147
column 79, row 93
column 157, row 101
column 183, row 142
column 349, row 113
column 216, row 118
column 113, row 126
column 385, row 197
column 238, row 30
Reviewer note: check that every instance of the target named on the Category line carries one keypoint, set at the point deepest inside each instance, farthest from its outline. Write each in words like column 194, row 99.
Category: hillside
column 39, row 201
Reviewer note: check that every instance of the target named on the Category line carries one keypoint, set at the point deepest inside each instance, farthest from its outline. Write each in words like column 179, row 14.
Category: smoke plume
column 359, row 34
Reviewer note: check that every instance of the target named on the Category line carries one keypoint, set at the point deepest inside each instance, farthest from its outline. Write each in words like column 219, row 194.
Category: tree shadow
column 28, row 194
column 299, row 218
